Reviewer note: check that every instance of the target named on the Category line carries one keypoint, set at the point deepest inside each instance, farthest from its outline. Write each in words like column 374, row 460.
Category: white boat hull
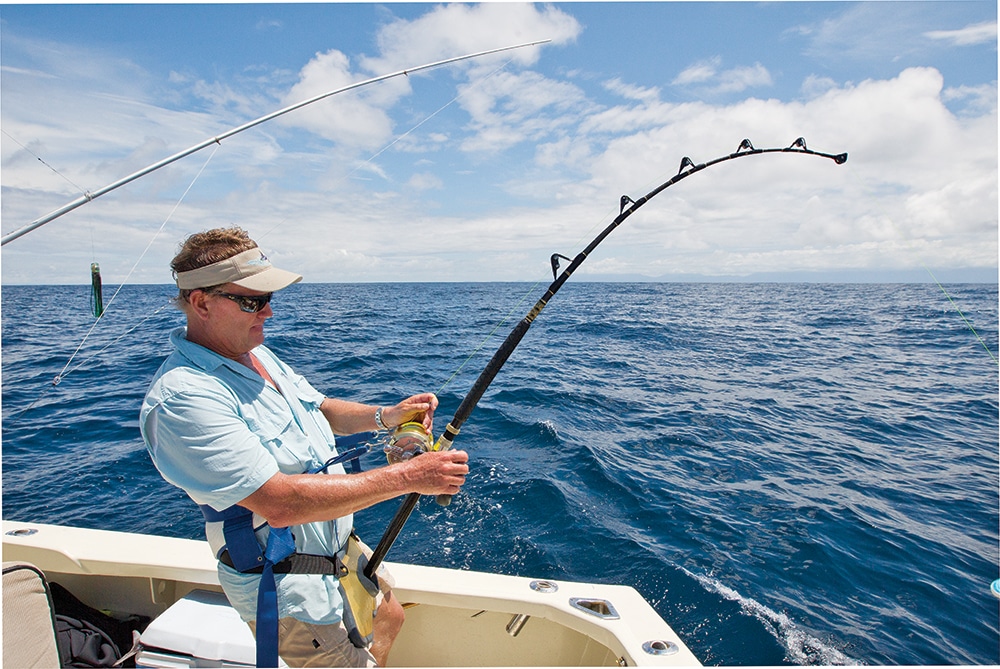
column 453, row 617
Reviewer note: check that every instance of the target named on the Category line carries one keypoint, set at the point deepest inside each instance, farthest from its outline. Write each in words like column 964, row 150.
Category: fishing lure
column 96, row 291
column 628, row 206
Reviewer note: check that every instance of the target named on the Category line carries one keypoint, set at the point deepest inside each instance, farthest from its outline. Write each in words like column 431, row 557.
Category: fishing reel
column 407, row 441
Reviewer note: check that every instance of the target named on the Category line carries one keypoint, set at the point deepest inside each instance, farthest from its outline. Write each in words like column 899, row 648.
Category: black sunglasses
column 251, row 304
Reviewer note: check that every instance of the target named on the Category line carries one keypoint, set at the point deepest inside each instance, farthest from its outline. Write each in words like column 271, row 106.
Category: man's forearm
column 286, row 499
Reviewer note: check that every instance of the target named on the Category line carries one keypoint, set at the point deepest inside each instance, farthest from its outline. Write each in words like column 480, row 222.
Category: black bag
column 89, row 638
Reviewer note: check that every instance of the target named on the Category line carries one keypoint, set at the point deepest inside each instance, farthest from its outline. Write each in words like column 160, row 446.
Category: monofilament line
column 57, row 172
column 63, row 373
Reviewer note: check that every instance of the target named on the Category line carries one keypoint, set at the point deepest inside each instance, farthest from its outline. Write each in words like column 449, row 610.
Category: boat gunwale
column 121, row 554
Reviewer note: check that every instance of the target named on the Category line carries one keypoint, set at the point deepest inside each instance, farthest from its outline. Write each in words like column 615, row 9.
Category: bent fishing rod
column 628, row 206
column 92, row 195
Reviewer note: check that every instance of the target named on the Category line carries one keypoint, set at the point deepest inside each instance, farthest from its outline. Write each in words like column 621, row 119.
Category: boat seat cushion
column 29, row 626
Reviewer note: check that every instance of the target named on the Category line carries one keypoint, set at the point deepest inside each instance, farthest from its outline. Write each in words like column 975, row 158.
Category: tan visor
column 250, row 269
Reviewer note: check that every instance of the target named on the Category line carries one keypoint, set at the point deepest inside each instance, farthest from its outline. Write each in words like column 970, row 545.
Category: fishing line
column 60, row 174
column 273, row 228
column 117, row 339
column 408, row 132
column 899, row 232
column 64, row 373
column 432, row 115
column 139, row 260
column 514, row 338
column 170, row 215
column 528, row 291
column 531, row 289
column 401, row 137
column 92, row 195
column 961, row 314
column 489, row 336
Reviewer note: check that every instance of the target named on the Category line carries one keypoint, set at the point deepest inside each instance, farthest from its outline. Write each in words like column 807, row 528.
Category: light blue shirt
column 217, row 430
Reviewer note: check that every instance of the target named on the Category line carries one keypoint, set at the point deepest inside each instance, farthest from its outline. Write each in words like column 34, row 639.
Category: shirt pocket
column 273, row 423
column 314, row 422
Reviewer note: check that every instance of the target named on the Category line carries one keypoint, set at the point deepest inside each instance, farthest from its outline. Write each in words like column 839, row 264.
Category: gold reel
column 408, row 440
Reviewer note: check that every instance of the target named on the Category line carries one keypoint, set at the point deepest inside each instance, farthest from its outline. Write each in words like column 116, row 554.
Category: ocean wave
column 803, row 648
column 826, row 454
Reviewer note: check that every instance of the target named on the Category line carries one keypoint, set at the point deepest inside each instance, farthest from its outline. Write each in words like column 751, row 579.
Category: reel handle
column 444, row 500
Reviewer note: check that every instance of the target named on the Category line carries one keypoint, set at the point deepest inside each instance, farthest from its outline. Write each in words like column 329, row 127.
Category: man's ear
column 198, row 304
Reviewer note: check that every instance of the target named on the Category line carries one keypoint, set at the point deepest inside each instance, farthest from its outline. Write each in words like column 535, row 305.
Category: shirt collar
column 205, row 358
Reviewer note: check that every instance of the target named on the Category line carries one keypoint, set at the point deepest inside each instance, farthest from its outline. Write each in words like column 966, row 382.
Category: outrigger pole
column 91, row 195
column 628, row 207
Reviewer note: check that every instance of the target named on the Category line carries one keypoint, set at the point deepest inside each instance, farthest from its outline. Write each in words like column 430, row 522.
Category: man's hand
column 436, row 472
column 418, row 408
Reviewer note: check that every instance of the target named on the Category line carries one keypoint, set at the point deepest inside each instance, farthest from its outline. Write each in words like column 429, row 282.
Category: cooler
column 200, row 630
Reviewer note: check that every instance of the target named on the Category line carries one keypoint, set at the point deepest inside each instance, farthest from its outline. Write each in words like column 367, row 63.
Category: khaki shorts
column 308, row 645
column 303, row 644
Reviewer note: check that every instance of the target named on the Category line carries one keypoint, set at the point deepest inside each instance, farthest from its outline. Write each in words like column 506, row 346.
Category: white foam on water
column 803, row 648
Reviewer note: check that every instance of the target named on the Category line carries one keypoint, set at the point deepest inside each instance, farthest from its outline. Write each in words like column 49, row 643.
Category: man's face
column 233, row 330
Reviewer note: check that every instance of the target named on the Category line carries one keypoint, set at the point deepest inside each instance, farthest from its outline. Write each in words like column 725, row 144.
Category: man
column 229, row 423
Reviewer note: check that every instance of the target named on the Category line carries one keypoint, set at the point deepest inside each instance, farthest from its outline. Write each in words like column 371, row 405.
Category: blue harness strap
column 246, row 555
column 280, row 544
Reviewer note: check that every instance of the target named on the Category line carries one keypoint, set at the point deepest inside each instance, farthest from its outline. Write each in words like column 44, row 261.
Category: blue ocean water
column 789, row 473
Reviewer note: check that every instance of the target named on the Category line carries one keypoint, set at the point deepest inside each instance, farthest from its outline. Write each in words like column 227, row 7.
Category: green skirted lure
column 96, row 293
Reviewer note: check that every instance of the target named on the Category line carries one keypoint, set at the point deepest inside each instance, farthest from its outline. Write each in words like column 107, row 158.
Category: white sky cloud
column 457, row 28
column 980, row 33
column 502, row 167
column 709, row 78
column 698, row 73
column 357, row 119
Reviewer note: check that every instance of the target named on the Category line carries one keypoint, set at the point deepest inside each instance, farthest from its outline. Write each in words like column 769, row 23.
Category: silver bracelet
column 378, row 420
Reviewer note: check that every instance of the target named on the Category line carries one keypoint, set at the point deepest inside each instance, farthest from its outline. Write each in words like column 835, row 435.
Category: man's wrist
column 379, row 421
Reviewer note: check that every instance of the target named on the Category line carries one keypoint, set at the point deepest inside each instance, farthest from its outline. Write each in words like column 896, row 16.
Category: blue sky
column 482, row 170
